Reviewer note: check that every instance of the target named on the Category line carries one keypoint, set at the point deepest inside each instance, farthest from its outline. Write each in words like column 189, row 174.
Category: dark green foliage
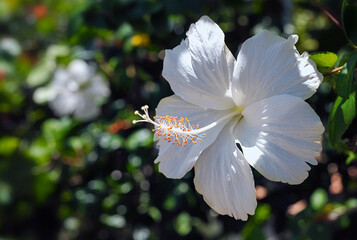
column 349, row 11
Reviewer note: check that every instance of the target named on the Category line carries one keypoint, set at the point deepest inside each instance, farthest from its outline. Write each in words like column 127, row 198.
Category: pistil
column 179, row 130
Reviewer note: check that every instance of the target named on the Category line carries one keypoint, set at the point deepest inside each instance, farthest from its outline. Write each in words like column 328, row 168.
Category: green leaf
column 71, row 223
column 6, row 67
column 351, row 203
column 97, row 185
column 345, row 78
column 43, row 186
column 344, row 54
column 41, row 73
column 40, row 151
column 139, row 138
column 115, row 221
column 155, row 214
column 125, row 30
column 252, row 231
column 182, row 224
column 56, row 129
column 342, row 114
column 43, row 95
column 351, row 157
column 253, row 228
column 55, row 51
column 5, row 193
column 262, row 213
column 8, row 145
column 110, row 201
column 324, row 60
column 349, row 13
column 110, row 141
column 44, row 69
column 170, row 203
column 318, row 199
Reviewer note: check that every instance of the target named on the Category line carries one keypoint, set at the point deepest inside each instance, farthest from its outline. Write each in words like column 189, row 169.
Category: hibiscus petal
column 269, row 65
column 175, row 161
column 200, row 69
column 80, row 71
column 60, row 79
column 99, row 87
column 64, row 102
column 279, row 136
column 225, row 179
column 86, row 108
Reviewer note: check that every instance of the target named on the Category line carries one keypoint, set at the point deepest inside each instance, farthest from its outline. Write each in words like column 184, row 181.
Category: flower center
column 179, row 130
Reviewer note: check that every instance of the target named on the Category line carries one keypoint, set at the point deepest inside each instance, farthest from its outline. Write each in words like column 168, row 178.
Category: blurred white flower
column 75, row 90
column 256, row 101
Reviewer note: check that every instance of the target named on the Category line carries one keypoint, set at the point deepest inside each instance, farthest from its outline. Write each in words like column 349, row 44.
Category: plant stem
column 333, row 71
column 329, row 15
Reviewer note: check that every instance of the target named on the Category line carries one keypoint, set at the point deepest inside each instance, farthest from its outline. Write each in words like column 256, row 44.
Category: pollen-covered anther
column 175, row 130
column 180, row 128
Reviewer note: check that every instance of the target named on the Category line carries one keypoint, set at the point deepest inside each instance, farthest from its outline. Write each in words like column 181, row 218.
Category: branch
column 335, row 70
column 329, row 15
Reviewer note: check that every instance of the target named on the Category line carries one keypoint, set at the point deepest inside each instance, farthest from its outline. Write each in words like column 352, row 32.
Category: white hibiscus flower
column 74, row 90
column 256, row 101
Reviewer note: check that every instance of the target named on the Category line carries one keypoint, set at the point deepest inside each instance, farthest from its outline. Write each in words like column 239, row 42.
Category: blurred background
column 72, row 166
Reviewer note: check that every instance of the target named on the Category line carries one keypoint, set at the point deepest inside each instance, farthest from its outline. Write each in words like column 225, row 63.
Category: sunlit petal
column 224, row 178
column 200, row 69
column 268, row 65
column 175, row 161
column 279, row 136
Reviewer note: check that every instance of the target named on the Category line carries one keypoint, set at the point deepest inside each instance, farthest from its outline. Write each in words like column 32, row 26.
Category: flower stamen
column 174, row 130
column 179, row 130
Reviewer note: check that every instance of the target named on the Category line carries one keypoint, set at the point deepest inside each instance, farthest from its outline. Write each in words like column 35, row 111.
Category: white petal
column 64, row 103
column 99, row 87
column 175, row 161
column 86, row 108
column 60, row 79
column 200, row 69
column 279, row 136
column 80, row 71
column 225, row 179
column 268, row 65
